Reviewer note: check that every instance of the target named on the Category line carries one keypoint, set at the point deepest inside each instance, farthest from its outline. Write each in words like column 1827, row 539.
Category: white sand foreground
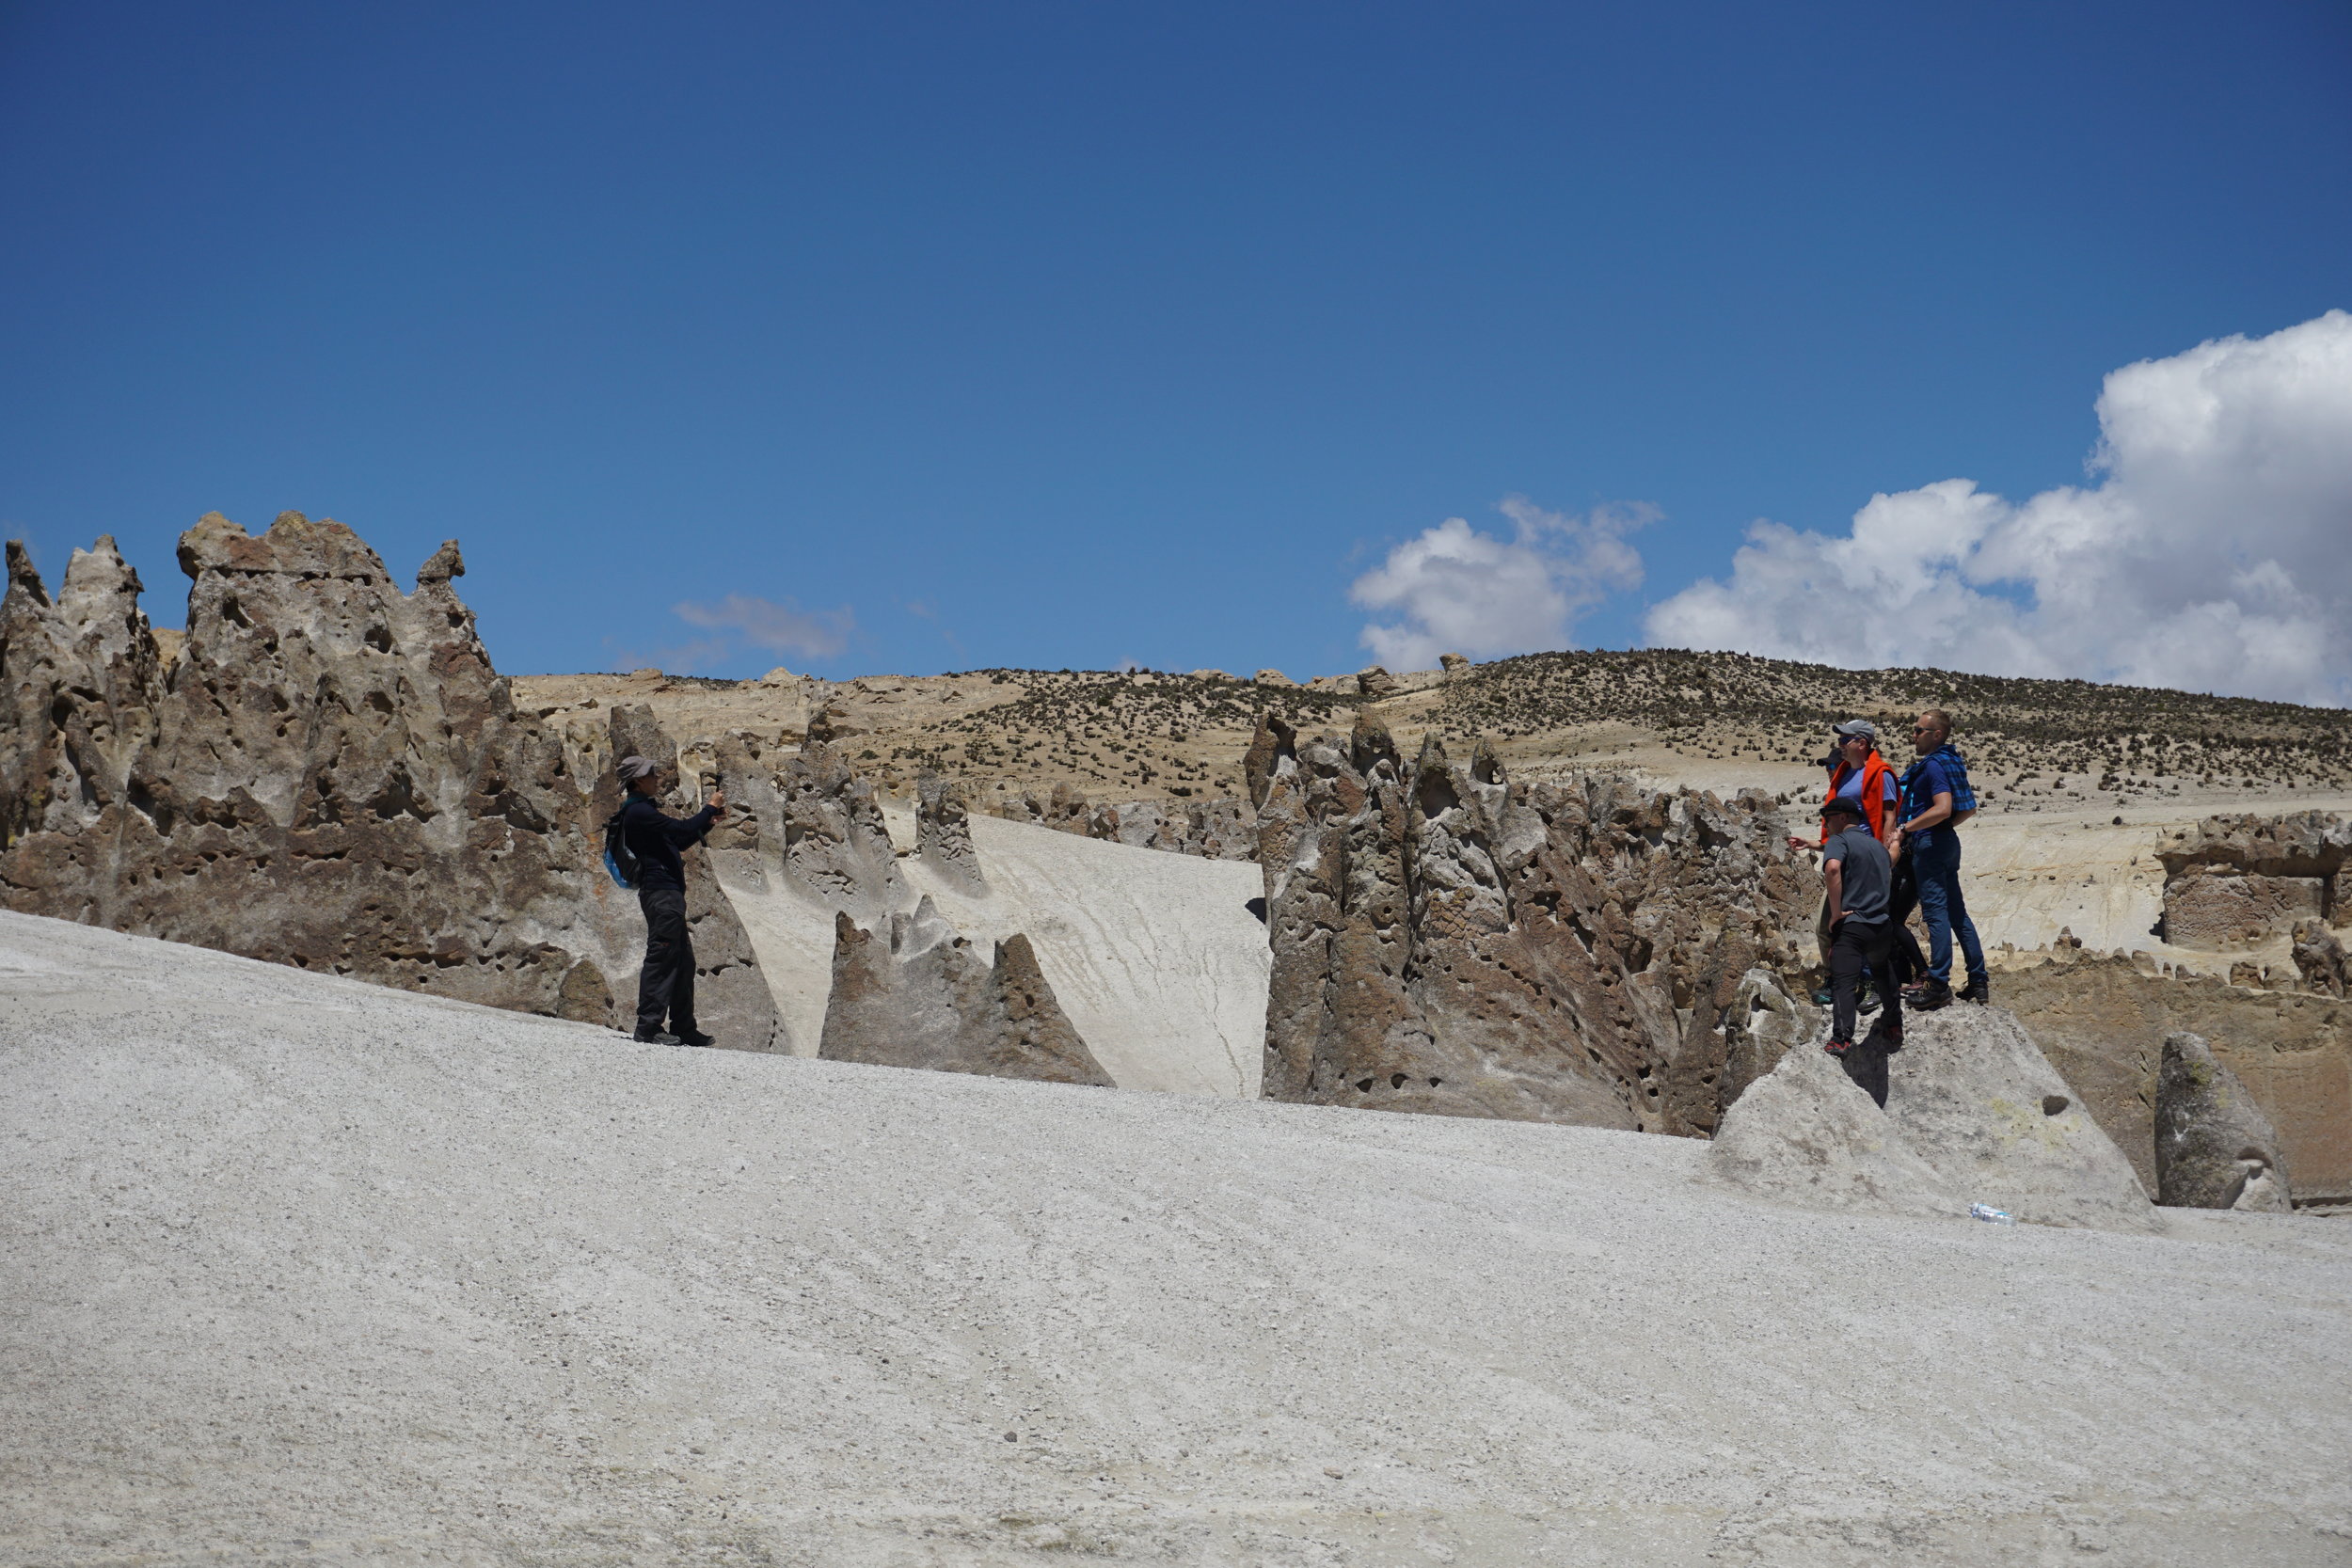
column 300, row 1270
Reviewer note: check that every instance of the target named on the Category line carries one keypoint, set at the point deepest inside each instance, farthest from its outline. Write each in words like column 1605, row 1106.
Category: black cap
column 1839, row 805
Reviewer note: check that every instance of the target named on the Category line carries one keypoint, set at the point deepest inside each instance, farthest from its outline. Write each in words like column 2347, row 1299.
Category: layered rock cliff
column 1446, row 940
column 327, row 773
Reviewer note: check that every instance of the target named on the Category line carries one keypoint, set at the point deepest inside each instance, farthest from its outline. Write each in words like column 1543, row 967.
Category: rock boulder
column 1804, row 1134
column 1977, row 1100
column 2215, row 1148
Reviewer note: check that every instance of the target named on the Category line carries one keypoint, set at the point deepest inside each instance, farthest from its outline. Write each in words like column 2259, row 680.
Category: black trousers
column 665, row 988
column 1906, row 961
column 1851, row 948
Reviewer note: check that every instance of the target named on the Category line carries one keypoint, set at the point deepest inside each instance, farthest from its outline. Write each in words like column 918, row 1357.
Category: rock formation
column 2238, row 880
column 1211, row 830
column 943, row 829
column 833, row 842
column 2321, row 960
column 328, row 774
column 1273, row 677
column 1805, row 1133
column 1373, row 681
column 1453, row 664
column 2215, row 1148
column 2103, row 1022
column 1761, row 1026
column 1444, row 941
column 919, row 997
column 1975, row 1099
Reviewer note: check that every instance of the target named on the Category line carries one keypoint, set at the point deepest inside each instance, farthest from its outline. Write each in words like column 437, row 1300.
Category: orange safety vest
column 1874, row 772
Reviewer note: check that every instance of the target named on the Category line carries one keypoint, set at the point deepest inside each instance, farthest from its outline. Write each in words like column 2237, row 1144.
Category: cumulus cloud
column 2213, row 551
column 784, row 628
column 1451, row 589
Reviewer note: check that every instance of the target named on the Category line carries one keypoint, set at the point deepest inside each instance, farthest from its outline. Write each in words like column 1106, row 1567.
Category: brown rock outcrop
column 2321, row 960
column 834, row 844
column 2103, row 1023
column 944, row 831
column 1447, row 942
column 2238, row 880
column 1374, row 681
column 328, row 774
column 2215, row 1148
column 919, row 997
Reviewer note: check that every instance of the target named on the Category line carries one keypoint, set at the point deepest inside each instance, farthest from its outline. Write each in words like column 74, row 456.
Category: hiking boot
column 1938, row 995
column 1866, row 999
column 1838, row 1048
column 1824, row 997
column 1980, row 990
column 1891, row 1040
column 695, row 1036
column 658, row 1037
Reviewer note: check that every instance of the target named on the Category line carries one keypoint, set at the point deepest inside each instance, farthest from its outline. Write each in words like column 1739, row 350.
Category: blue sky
column 1052, row 335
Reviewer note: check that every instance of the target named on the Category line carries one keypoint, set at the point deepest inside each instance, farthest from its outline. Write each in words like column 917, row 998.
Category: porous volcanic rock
column 943, row 829
column 328, row 774
column 2238, row 880
column 834, row 846
column 2215, row 1148
column 919, row 997
column 2320, row 958
column 1446, row 940
column 1763, row 1024
column 2103, row 1023
column 1805, row 1133
column 1977, row 1100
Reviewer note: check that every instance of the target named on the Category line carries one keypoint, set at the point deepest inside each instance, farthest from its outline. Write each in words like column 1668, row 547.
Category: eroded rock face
column 834, row 845
column 2237, row 880
column 944, row 831
column 2321, row 960
column 1975, row 1098
column 328, row 774
column 1444, row 941
column 915, row 995
column 1762, row 1025
column 2215, row 1148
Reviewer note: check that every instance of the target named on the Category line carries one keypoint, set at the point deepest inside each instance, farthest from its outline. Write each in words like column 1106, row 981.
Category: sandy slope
column 302, row 1271
column 1155, row 956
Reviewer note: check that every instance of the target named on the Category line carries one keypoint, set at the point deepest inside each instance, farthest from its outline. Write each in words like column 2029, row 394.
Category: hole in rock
column 1396, row 1080
column 2053, row 1103
column 1363, row 1086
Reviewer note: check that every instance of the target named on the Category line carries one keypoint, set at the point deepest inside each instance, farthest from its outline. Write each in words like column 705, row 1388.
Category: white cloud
column 2214, row 552
column 1457, row 590
column 779, row 627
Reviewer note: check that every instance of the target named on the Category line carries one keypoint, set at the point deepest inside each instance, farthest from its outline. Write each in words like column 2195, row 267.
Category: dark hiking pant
column 665, row 988
column 1905, row 958
column 1853, row 946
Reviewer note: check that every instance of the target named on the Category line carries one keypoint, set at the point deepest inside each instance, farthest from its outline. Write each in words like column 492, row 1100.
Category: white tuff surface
column 1155, row 956
column 300, row 1270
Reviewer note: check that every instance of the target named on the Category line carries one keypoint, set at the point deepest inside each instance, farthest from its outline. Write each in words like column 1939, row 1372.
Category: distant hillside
column 1146, row 734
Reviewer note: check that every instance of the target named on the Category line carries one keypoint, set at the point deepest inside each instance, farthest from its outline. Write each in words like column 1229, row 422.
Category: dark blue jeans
column 1937, row 864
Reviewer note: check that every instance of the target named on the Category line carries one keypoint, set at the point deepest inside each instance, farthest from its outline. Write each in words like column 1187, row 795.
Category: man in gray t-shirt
column 1861, row 936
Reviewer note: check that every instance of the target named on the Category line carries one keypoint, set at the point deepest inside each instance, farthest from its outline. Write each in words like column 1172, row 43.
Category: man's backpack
column 619, row 859
column 1964, row 796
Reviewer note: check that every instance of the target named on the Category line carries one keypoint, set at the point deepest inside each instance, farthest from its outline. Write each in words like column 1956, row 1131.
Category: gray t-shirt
column 1869, row 873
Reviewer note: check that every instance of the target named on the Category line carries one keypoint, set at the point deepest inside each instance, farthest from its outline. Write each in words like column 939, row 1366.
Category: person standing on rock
column 665, row 988
column 1936, row 800
column 1859, row 774
column 1861, row 879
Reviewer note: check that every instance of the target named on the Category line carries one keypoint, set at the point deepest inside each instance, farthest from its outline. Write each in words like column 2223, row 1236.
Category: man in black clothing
column 665, row 988
column 1861, row 882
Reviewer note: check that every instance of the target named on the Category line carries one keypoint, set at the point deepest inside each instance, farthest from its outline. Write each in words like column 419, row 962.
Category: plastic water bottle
column 1991, row 1216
